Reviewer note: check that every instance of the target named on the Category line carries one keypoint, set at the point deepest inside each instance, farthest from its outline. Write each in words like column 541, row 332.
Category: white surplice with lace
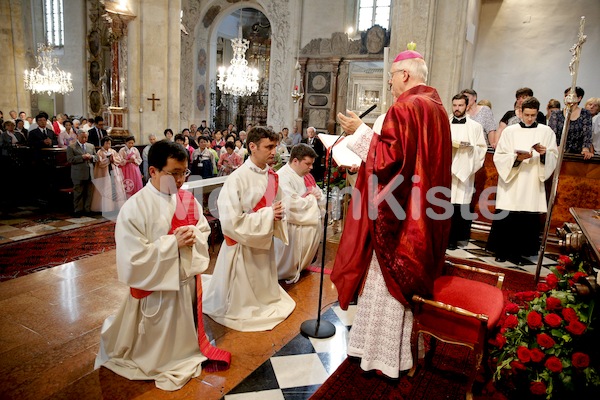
column 382, row 327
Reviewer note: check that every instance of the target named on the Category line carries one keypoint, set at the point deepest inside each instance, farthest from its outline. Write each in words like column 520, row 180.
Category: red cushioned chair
column 461, row 311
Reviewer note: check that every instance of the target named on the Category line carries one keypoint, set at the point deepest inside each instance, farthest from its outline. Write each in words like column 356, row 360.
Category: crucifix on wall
column 153, row 99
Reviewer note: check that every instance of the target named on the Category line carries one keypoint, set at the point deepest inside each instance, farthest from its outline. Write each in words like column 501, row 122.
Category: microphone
column 364, row 114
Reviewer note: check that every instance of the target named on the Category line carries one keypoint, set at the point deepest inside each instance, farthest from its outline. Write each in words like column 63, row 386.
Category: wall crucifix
column 153, row 99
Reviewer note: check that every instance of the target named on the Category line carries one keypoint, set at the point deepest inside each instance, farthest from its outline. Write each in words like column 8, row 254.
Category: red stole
column 265, row 201
column 186, row 213
column 310, row 183
column 415, row 141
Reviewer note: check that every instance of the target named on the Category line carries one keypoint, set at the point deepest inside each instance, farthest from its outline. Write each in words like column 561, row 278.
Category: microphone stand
column 315, row 328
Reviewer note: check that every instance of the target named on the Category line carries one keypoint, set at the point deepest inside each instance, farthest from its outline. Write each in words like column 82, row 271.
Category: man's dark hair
column 578, row 91
column 41, row 115
column 461, row 96
column 532, row 103
column 179, row 136
column 105, row 139
column 230, row 145
column 524, row 92
column 256, row 133
column 469, row 91
column 162, row 150
column 302, row 150
column 167, row 131
column 98, row 119
column 128, row 138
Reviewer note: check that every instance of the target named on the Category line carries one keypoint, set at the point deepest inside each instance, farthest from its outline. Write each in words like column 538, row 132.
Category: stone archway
column 202, row 23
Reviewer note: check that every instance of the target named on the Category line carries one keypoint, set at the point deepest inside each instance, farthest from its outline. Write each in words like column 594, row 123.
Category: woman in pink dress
column 109, row 193
column 132, row 176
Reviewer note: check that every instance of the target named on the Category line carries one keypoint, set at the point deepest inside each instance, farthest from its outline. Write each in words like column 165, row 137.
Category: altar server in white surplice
column 243, row 292
column 525, row 158
column 468, row 153
column 303, row 203
column 161, row 237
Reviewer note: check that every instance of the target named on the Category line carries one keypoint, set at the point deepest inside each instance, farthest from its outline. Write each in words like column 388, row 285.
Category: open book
column 342, row 155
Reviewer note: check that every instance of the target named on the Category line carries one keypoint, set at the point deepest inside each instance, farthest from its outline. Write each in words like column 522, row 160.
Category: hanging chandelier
column 238, row 79
column 46, row 76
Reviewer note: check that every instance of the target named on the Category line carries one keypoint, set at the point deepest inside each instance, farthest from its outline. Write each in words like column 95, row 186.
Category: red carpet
column 32, row 255
column 445, row 379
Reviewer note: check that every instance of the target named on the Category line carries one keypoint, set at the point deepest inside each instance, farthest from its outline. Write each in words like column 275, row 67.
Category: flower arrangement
column 338, row 178
column 545, row 341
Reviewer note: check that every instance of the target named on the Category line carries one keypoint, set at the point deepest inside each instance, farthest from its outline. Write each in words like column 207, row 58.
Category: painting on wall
column 201, row 98
column 201, row 61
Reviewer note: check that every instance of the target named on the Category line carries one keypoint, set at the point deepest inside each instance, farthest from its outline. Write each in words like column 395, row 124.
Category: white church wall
column 73, row 57
column 320, row 20
column 526, row 44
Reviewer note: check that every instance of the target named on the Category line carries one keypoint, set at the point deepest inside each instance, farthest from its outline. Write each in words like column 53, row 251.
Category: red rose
column 499, row 341
column 542, row 287
column 554, row 364
column 511, row 322
column 523, row 354
column 565, row 260
column 570, row 314
column 527, row 296
column 552, row 303
column 576, row 328
column 534, row 320
column 545, row 341
column 537, row 388
column 553, row 320
column 580, row 360
column 561, row 270
column 537, row 355
column 517, row 365
column 552, row 281
column 511, row 308
column 579, row 275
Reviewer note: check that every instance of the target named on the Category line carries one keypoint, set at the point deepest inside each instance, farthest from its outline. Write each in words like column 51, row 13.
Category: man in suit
column 97, row 132
column 82, row 156
column 317, row 146
column 42, row 136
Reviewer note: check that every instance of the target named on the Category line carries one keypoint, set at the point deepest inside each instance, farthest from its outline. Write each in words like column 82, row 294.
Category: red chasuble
column 414, row 145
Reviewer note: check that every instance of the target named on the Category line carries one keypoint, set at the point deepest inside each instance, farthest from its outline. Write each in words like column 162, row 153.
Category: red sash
column 186, row 213
column 265, row 201
column 310, row 183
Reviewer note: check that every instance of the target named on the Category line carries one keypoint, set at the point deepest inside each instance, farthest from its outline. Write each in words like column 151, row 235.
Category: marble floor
column 29, row 222
column 50, row 327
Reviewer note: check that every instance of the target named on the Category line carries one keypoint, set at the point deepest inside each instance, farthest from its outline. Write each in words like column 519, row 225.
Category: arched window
column 53, row 20
column 373, row 12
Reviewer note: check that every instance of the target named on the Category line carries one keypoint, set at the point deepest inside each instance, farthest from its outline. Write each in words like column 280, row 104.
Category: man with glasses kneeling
column 161, row 237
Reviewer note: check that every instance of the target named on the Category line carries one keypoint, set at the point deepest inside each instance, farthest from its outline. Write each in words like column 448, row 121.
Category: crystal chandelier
column 46, row 76
column 238, row 79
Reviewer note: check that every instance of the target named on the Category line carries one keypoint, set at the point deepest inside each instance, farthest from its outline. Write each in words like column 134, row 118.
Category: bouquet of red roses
column 545, row 337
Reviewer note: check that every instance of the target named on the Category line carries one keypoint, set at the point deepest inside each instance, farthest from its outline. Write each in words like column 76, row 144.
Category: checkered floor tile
column 475, row 250
column 297, row 370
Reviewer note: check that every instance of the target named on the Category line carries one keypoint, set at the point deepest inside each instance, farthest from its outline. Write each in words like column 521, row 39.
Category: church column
column 445, row 33
column 335, row 62
column 117, row 20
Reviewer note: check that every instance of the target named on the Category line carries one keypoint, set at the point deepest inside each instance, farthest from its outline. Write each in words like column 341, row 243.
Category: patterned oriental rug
column 445, row 379
column 36, row 254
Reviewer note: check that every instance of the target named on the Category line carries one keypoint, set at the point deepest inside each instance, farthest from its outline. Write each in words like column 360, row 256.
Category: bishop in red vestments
column 402, row 219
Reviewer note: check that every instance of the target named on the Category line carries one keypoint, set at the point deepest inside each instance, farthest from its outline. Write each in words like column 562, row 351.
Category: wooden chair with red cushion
column 461, row 311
